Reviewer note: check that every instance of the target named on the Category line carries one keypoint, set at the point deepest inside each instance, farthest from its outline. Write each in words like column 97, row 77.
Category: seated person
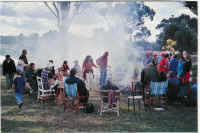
column 59, row 74
column 194, row 92
column 162, row 77
column 30, row 75
column 53, row 82
column 45, row 77
column 81, row 87
column 149, row 74
column 173, row 87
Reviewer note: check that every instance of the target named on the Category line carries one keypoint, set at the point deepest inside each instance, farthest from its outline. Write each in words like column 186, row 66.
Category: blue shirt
column 194, row 90
column 159, row 59
column 174, row 65
column 180, row 68
column 19, row 83
column 174, row 81
column 147, row 60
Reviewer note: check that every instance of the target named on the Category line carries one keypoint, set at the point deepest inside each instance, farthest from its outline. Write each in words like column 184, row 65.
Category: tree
column 60, row 10
column 192, row 5
column 182, row 29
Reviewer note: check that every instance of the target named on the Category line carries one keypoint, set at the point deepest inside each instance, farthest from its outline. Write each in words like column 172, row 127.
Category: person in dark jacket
column 23, row 56
column 185, row 76
column 148, row 74
column 173, row 87
column 31, row 76
column 81, row 87
column 9, row 69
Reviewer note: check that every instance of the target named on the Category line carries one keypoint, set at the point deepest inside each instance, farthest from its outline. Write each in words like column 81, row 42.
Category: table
column 60, row 93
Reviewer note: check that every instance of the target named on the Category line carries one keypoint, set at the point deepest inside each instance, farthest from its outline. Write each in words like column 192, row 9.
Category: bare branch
column 57, row 11
column 47, row 5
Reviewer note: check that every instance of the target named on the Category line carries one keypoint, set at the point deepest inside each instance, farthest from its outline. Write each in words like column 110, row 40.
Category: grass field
column 34, row 117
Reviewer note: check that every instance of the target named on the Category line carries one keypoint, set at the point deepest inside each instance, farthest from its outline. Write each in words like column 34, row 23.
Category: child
column 19, row 85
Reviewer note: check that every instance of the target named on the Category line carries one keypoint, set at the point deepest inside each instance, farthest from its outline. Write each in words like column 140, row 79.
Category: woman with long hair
column 87, row 67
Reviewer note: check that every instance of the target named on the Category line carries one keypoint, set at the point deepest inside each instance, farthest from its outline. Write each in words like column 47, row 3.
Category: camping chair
column 72, row 96
column 136, row 95
column 109, row 101
column 42, row 93
column 157, row 92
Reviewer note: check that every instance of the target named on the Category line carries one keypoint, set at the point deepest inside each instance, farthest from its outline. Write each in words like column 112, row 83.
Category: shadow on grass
column 23, row 126
column 8, row 100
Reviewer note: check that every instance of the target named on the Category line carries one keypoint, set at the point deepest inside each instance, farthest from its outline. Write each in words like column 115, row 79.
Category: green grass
column 34, row 117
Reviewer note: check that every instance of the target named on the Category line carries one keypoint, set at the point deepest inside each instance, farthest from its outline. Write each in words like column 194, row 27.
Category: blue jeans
column 9, row 80
column 18, row 97
column 103, row 75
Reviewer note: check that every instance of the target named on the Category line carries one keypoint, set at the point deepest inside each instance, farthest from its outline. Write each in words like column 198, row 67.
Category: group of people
column 26, row 74
column 21, row 80
column 176, row 68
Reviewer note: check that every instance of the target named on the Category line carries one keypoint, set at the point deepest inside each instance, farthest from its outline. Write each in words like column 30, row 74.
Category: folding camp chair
column 136, row 95
column 110, row 101
column 72, row 96
column 157, row 92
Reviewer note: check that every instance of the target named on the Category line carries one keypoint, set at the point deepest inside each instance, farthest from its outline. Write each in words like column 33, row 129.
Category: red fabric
column 102, row 61
column 88, row 66
column 163, row 66
column 186, row 77
column 65, row 69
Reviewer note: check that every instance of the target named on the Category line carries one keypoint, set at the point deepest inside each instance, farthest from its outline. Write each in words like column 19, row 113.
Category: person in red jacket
column 163, row 66
column 65, row 68
column 87, row 66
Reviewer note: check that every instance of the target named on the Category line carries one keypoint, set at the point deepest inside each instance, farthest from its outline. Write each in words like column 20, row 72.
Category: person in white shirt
column 20, row 64
column 77, row 67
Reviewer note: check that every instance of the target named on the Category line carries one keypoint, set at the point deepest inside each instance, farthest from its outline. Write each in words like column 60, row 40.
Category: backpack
column 89, row 108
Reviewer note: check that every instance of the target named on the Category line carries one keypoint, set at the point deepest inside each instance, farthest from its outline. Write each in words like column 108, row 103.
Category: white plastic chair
column 42, row 93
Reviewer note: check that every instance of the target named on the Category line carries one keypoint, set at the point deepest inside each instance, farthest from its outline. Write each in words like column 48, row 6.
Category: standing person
column 9, row 70
column 87, row 66
column 163, row 66
column 77, row 67
column 21, row 64
column 154, row 60
column 173, row 87
column 174, row 64
column 102, row 63
column 186, row 72
column 19, row 86
column 180, row 66
column 162, row 54
column 23, row 56
column 65, row 68
column 148, row 58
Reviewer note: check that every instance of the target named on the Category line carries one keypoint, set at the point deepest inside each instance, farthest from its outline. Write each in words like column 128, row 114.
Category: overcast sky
column 34, row 17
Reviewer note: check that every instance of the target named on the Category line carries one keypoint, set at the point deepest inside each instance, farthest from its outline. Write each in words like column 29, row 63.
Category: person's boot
column 20, row 105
